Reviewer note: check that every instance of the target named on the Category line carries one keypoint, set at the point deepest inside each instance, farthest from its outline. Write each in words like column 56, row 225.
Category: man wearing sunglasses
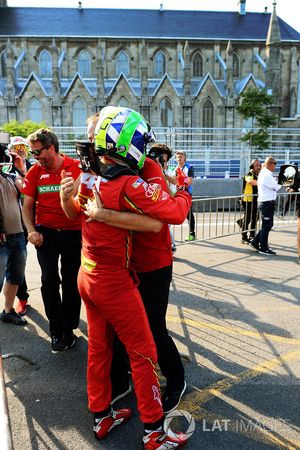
column 54, row 236
column 267, row 193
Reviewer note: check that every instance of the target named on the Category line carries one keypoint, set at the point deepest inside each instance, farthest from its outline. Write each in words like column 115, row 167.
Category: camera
column 5, row 157
column 289, row 175
column 89, row 161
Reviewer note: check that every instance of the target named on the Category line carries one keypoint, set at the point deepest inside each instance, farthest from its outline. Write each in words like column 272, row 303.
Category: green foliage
column 254, row 106
column 15, row 128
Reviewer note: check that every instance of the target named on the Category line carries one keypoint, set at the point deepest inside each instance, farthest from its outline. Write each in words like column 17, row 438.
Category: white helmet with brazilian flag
column 123, row 133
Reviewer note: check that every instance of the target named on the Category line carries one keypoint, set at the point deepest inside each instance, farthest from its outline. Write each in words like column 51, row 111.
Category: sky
column 288, row 10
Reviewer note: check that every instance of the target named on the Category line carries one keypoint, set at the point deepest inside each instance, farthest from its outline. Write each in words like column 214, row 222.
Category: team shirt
column 187, row 169
column 44, row 186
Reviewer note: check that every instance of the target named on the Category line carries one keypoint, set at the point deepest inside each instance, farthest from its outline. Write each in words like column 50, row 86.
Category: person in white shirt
column 267, row 192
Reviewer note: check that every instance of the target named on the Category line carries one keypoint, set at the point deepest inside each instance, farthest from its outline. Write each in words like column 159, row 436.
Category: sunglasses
column 19, row 147
column 38, row 151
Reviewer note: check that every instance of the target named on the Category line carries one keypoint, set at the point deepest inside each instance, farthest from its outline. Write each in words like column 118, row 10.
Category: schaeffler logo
column 180, row 413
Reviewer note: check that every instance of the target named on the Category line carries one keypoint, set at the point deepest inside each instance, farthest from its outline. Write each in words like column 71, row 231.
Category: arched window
column 35, row 112
column 79, row 112
column 122, row 63
column 166, row 113
column 45, row 64
column 208, row 114
column 236, row 66
column 197, row 66
column 3, row 71
column 159, row 64
column 123, row 102
column 84, row 64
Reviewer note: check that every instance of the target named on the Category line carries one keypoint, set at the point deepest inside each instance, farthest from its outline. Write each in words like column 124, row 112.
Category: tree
column 15, row 128
column 254, row 106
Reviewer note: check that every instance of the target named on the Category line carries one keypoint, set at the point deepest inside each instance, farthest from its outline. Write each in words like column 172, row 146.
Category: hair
column 270, row 159
column 251, row 167
column 161, row 149
column 181, row 152
column 93, row 117
column 46, row 137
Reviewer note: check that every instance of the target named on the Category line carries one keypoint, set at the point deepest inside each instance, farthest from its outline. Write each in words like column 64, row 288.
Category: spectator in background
column 249, row 202
column 267, row 193
column 18, row 146
column 172, row 177
column 54, row 236
column 12, row 241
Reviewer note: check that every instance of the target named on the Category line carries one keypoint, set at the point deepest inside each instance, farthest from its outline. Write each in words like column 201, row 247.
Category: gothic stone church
column 178, row 68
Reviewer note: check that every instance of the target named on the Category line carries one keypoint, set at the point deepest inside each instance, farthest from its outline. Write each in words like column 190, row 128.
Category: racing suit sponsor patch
column 137, row 183
column 88, row 264
column 49, row 188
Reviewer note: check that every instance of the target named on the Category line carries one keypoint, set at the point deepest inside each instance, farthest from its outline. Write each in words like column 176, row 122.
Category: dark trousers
column 290, row 199
column 191, row 220
column 62, row 311
column 266, row 210
column 249, row 219
column 154, row 289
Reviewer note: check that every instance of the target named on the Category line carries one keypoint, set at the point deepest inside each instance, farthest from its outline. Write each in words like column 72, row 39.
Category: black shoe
column 69, row 339
column 240, row 222
column 174, row 248
column 171, row 398
column 12, row 317
column 267, row 252
column 245, row 241
column 120, row 393
column 57, row 343
column 254, row 245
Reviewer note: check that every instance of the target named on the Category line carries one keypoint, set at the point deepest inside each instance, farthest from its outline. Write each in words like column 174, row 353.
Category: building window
column 45, row 63
column 35, row 112
column 208, row 114
column 79, row 112
column 197, row 66
column 84, row 64
column 122, row 63
column 3, row 71
column 236, row 66
column 159, row 64
column 123, row 102
column 166, row 113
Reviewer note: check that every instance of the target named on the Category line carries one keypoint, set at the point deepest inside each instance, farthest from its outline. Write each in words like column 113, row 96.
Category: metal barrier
column 218, row 217
column 214, row 152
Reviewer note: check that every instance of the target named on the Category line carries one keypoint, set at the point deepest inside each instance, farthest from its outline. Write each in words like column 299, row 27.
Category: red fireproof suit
column 109, row 289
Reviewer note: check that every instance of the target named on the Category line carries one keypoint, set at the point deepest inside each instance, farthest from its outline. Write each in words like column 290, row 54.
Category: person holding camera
column 12, row 240
column 19, row 149
column 249, row 202
column 54, row 236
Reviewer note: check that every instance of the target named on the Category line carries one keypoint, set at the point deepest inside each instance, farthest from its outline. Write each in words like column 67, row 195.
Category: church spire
column 273, row 53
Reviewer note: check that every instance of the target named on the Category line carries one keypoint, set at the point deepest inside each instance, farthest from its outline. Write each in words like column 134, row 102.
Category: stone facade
column 176, row 98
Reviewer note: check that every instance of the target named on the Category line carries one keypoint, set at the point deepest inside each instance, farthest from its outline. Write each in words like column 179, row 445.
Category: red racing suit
column 109, row 290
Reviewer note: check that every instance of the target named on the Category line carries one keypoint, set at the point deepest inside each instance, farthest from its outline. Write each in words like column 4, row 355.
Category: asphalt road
column 235, row 317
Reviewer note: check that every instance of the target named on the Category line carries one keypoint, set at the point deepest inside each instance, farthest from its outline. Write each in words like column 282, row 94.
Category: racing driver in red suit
column 106, row 284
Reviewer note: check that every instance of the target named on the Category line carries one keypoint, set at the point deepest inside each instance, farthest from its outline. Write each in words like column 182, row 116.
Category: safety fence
column 213, row 152
column 220, row 216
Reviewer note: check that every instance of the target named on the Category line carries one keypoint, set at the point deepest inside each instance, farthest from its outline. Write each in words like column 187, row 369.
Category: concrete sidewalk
column 235, row 316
